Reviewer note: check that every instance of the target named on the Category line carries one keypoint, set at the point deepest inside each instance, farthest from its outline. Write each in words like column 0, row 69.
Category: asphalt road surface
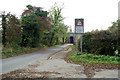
column 13, row 63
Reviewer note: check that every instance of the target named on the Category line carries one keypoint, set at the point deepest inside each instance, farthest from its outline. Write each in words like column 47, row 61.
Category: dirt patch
column 22, row 73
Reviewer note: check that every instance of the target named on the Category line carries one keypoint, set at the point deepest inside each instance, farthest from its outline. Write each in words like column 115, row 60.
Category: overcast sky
column 97, row 14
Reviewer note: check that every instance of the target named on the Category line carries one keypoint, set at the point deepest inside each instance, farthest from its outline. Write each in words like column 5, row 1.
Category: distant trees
column 35, row 28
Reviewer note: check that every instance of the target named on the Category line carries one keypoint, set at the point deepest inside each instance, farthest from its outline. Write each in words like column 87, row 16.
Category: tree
column 36, row 22
column 34, row 10
column 4, row 25
column 55, row 15
column 57, row 24
column 35, row 25
column 30, row 31
column 11, row 30
column 115, row 25
column 70, row 29
column 0, row 36
column 62, row 33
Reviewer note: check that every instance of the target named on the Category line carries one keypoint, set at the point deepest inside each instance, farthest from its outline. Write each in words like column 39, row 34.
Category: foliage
column 4, row 29
column 35, row 25
column 0, row 36
column 92, row 58
column 58, row 27
column 104, row 42
column 11, row 33
column 115, row 25
column 30, row 31
column 34, row 10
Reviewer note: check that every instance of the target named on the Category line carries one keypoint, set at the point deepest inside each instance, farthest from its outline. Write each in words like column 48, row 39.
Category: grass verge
column 8, row 52
column 98, row 61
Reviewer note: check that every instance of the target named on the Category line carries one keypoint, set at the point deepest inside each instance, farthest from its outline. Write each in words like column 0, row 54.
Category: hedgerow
column 104, row 42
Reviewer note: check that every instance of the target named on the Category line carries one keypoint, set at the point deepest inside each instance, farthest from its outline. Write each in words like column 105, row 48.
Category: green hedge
column 104, row 42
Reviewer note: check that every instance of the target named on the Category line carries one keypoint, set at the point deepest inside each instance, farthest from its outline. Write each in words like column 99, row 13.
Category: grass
column 92, row 58
column 8, row 52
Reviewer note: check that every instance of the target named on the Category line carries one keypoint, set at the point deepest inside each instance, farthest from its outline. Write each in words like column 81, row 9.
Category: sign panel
column 79, row 26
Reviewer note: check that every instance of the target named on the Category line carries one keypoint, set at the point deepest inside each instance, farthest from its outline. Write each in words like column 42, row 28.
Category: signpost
column 79, row 29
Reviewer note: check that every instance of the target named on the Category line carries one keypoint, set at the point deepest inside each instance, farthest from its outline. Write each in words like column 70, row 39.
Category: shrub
column 104, row 42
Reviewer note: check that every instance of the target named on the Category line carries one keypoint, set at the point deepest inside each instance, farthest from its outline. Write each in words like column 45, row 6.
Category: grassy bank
column 92, row 59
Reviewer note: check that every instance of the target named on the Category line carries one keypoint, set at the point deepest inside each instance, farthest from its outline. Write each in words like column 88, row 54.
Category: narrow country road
column 53, row 66
column 13, row 63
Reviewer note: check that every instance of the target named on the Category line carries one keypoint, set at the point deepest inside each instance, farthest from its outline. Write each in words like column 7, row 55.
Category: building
column 71, row 38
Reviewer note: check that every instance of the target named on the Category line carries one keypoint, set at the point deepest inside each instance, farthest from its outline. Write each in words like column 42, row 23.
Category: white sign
column 79, row 29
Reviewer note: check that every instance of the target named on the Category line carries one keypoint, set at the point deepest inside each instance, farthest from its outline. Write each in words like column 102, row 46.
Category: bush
column 104, row 42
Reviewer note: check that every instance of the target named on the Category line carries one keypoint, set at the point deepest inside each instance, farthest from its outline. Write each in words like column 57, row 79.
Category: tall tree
column 35, row 24
column 30, row 31
column 4, row 25
column 57, row 24
column 11, row 31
